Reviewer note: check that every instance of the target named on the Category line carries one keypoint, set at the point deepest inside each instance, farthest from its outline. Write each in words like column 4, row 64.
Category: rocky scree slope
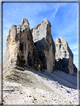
column 32, row 87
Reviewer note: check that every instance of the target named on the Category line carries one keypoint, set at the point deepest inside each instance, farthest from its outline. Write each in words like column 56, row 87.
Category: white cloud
column 74, row 46
column 67, row 27
column 56, row 7
column 75, row 52
column 54, row 13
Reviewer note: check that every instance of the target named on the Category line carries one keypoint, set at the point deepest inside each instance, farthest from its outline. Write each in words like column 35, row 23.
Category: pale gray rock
column 44, row 43
column 25, row 22
column 63, row 56
column 36, row 48
column 20, row 48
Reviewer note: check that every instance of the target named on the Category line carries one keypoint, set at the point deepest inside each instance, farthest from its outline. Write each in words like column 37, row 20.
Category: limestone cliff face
column 63, row 56
column 45, row 45
column 20, row 48
column 36, row 48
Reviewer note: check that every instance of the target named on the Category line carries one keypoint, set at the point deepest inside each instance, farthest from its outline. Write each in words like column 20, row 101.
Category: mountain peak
column 25, row 22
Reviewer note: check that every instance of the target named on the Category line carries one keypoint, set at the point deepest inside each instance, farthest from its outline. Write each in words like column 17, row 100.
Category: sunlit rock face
column 36, row 48
column 63, row 56
column 45, row 45
column 20, row 48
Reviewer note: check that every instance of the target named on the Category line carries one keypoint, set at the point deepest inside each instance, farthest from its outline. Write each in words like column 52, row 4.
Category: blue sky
column 62, row 16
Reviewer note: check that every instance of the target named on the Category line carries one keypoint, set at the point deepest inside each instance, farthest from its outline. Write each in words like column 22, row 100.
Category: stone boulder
column 45, row 45
column 20, row 48
column 63, row 56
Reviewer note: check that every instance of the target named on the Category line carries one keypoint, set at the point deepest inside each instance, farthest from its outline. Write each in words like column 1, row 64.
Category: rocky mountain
column 20, row 48
column 45, row 45
column 36, row 48
column 63, row 56
column 35, row 67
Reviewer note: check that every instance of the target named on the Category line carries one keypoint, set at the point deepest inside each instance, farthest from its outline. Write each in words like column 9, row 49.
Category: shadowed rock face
column 45, row 45
column 63, row 56
column 36, row 48
column 20, row 48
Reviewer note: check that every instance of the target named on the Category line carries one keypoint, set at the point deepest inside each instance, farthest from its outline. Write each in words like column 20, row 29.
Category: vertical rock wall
column 63, row 56
column 20, row 48
column 37, row 49
column 45, row 45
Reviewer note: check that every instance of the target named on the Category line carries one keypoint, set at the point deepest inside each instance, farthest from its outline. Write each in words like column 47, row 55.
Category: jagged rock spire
column 25, row 22
column 63, row 56
column 20, row 48
column 45, row 45
column 36, row 48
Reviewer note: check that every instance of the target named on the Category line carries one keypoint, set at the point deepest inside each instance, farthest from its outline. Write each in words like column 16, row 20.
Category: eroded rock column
column 20, row 48
column 45, row 45
column 63, row 56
